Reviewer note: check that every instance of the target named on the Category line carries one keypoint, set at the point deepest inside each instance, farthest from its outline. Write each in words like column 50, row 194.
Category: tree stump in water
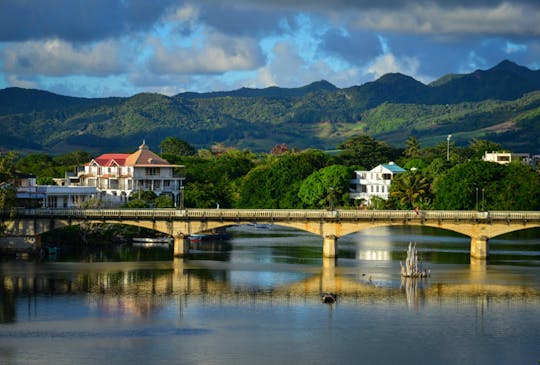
column 412, row 269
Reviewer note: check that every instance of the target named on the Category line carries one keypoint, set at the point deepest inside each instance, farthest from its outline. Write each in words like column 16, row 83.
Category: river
column 256, row 299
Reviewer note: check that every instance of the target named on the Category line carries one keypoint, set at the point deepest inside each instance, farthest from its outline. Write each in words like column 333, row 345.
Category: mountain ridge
column 318, row 115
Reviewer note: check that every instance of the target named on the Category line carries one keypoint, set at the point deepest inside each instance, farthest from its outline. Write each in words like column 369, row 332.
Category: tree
column 8, row 192
column 275, row 184
column 328, row 186
column 176, row 147
column 366, row 151
column 73, row 158
column 519, row 189
column 479, row 146
column 35, row 163
column 412, row 148
column 45, row 180
column 164, row 201
column 411, row 189
column 488, row 185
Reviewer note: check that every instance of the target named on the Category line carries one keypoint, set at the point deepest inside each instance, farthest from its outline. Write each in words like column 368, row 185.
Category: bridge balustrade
column 277, row 214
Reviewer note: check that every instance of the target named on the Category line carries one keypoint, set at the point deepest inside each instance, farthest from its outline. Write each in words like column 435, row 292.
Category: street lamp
column 182, row 197
column 448, row 147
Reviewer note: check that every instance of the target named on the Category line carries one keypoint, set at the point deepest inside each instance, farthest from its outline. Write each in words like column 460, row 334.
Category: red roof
column 107, row 159
column 142, row 157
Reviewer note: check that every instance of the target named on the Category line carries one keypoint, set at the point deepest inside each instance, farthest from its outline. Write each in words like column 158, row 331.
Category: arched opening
column 390, row 243
column 101, row 242
column 520, row 247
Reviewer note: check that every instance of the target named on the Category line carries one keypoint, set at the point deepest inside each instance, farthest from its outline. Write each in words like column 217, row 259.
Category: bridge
column 329, row 224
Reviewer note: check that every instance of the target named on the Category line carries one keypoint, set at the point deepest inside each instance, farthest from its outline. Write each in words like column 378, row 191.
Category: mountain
column 14, row 100
column 505, row 81
column 500, row 104
column 269, row 92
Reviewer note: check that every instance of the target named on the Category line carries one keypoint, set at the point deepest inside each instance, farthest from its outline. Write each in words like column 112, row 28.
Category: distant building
column 117, row 176
column 31, row 195
column 374, row 183
column 508, row 157
column 505, row 157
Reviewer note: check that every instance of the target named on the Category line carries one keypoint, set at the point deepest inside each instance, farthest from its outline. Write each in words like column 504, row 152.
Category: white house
column 53, row 196
column 508, row 157
column 505, row 157
column 31, row 195
column 119, row 175
column 375, row 182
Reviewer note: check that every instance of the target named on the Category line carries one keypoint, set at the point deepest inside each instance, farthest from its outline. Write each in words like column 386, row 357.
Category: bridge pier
column 330, row 246
column 479, row 247
column 181, row 245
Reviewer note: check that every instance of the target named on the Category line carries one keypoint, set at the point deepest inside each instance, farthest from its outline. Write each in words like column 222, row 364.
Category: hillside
column 501, row 104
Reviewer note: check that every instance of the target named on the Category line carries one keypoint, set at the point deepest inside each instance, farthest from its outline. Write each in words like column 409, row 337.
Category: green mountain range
column 501, row 104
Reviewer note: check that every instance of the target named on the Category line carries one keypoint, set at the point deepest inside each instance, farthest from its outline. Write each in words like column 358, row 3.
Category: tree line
column 444, row 176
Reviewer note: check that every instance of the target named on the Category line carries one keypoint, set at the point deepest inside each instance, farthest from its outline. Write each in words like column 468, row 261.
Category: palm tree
column 411, row 189
column 412, row 148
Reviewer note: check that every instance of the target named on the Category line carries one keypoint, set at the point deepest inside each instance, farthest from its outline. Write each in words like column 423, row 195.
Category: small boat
column 328, row 298
column 259, row 225
column 161, row 242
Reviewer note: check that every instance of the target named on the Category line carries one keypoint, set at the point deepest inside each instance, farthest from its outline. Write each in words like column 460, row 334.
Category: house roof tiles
column 142, row 157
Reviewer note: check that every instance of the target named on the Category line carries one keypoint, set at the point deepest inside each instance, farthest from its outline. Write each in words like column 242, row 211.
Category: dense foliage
column 439, row 177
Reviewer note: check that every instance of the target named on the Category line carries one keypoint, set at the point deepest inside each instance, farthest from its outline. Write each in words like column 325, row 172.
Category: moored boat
column 162, row 242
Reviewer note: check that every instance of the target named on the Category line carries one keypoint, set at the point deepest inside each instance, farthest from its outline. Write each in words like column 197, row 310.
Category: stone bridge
column 329, row 224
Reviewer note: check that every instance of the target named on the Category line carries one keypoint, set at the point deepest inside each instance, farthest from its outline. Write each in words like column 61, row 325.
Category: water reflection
column 141, row 290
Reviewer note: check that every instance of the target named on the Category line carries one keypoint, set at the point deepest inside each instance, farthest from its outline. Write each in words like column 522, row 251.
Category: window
column 152, row 171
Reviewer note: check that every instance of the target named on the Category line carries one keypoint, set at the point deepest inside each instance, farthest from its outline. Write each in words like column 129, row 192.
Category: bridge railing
column 277, row 214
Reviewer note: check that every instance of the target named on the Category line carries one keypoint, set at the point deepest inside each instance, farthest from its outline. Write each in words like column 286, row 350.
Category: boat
column 211, row 236
column 147, row 242
column 259, row 225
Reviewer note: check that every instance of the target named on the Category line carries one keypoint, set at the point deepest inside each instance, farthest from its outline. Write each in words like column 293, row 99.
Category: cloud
column 388, row 63
column 56, row 57
column 459, row 21
column 213, row 53
column 170, row 46
column 77, row 21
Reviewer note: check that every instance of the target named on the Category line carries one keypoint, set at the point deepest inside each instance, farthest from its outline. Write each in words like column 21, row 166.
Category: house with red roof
column 117, row 176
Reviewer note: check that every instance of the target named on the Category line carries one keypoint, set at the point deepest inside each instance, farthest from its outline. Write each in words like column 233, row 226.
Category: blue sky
column 99, row 48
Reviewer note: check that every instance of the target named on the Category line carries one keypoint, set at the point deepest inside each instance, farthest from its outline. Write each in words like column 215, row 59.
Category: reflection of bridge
column 480, row 226
column 141, row 287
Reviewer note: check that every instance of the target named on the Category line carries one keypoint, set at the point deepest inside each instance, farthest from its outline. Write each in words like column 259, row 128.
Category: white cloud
column 388, row 63
column 56, row 57
column 213, row 53
column 504, row 19
column 15, row 80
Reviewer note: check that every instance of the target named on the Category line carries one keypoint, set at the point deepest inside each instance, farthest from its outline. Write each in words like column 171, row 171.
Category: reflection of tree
column 414, row 292
column 7, row 303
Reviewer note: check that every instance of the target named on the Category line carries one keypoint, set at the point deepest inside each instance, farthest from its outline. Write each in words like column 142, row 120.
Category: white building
column 53, row 196
column 119, row 175
column 31, row 195
column 506, row 157
column 375, row 182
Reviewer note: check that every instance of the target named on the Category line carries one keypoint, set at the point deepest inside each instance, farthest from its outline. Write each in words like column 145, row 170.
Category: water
column 256, row 299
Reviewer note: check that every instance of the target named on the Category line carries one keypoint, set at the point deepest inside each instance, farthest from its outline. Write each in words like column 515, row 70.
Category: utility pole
column 448, row 147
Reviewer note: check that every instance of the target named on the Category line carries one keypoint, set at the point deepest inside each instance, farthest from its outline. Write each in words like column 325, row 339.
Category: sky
column 101, row 48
